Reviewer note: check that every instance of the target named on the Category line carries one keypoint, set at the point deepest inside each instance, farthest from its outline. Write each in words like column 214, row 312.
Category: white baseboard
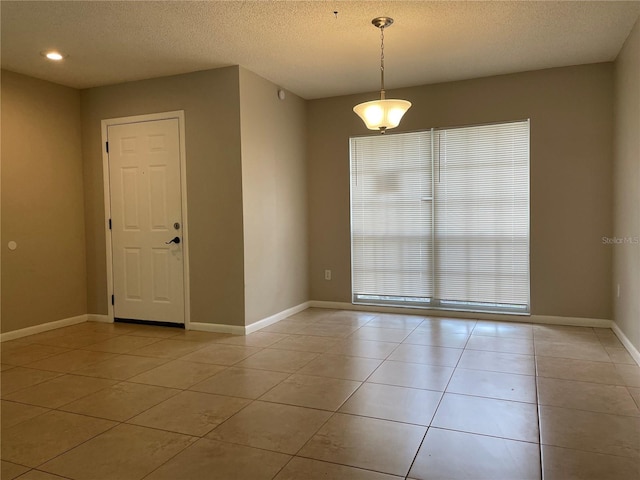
column 265, row 322
column 633, row 351
column 542, row 319
column 96, row 317
column 245, row 330
column 217, row 328
column 43, row 327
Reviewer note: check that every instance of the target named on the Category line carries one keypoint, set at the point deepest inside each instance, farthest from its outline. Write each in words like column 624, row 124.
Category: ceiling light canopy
column 384, row 113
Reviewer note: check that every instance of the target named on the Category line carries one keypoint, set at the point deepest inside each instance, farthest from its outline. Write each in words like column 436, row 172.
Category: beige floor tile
column 399, row 404
column 503, row 329
column 523, row 346
column 608, row 338
column 310, row 391
column 566, row 464
column 122, row 344
column 14, row 413
column 498, row 362
column 286, row 326
column 369, row 443
column 412, row 375
column 456, row 455
column 202, row 337
column 41, row 438
column 71, row 361
column 488, row 416
column 18, row 378
column 228, row 461
column 576, row 351
column 344, row 321
column 241, row 382
column 341, row 366
column 581, row 370
column 446, row 325
column 561, row 333
column 328, row 330
column 9, row 471
column 504, row 386
column 120, row 402
column 307, row 318
column 635, row 393
column 178, row 374
column 630, row 374
column 363, row 348
column 595, row 397
column 379, row 334
column 304, row 468
column 38, row 475
column 278, row 360
column 190, row 413
column 425, row 354
column 321, row 314
column 590, row 431
column 257, row 339
column 402, row 322
column 271, row 426
column 620, row 355
column 60, row 390
column 26, row 354
column 437, row 339
column 221, row 354
column 306, row 343
column 77, row 340
column 122, row 367
column 168, row 348
column 115, row 328
column 124, row 452
column 152, row 331
column 613, row 341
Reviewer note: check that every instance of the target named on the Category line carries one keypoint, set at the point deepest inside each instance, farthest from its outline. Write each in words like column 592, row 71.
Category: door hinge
column 107, row 146
column 109, row 224
column 113, row 301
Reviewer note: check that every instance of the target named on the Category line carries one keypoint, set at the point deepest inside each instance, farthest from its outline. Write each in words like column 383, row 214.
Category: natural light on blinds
column 441, row 218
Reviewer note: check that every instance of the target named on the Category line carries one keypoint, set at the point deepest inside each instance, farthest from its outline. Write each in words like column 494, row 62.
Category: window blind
column 441, row 218
column 391, row 218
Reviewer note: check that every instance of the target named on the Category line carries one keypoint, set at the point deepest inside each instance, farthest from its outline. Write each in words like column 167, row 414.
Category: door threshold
column 149, row 322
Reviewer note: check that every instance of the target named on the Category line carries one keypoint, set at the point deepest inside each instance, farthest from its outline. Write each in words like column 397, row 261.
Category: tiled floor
column 323, row 394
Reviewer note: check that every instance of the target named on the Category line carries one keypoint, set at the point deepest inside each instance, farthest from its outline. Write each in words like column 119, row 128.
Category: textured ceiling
column 303, row 46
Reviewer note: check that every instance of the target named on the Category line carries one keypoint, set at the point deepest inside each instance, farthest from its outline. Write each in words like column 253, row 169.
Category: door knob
column 173, row 240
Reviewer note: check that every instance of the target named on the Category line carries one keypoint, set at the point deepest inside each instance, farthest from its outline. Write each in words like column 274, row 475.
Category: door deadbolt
column 173, row 240
column 176, row 226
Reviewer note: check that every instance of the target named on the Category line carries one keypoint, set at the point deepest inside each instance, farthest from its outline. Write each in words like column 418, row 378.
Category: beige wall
column 626, row 188
column 210, row 100
column 274, row 198
column 44, row 279
column 571, row 112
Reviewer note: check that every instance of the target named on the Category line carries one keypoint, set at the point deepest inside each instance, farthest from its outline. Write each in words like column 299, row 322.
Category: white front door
column 146, row 220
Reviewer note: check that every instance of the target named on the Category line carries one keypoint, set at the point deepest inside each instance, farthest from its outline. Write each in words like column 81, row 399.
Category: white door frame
column 179, row 115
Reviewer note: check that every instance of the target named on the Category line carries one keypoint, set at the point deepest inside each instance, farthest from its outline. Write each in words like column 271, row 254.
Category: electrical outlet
column 327, row 274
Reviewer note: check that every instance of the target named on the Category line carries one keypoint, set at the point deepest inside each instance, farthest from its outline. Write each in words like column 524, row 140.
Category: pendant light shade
column 382, row 114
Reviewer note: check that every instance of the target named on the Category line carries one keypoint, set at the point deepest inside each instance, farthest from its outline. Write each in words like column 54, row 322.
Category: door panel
column 144, row 171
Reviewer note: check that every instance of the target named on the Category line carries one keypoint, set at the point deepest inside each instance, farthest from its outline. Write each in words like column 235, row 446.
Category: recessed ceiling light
column 53, row 55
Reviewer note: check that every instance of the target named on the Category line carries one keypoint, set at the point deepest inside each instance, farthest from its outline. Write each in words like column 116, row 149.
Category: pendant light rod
column 382, row 23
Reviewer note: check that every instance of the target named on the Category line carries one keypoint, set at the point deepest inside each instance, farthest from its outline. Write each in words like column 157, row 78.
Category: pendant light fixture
column 384, row 113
